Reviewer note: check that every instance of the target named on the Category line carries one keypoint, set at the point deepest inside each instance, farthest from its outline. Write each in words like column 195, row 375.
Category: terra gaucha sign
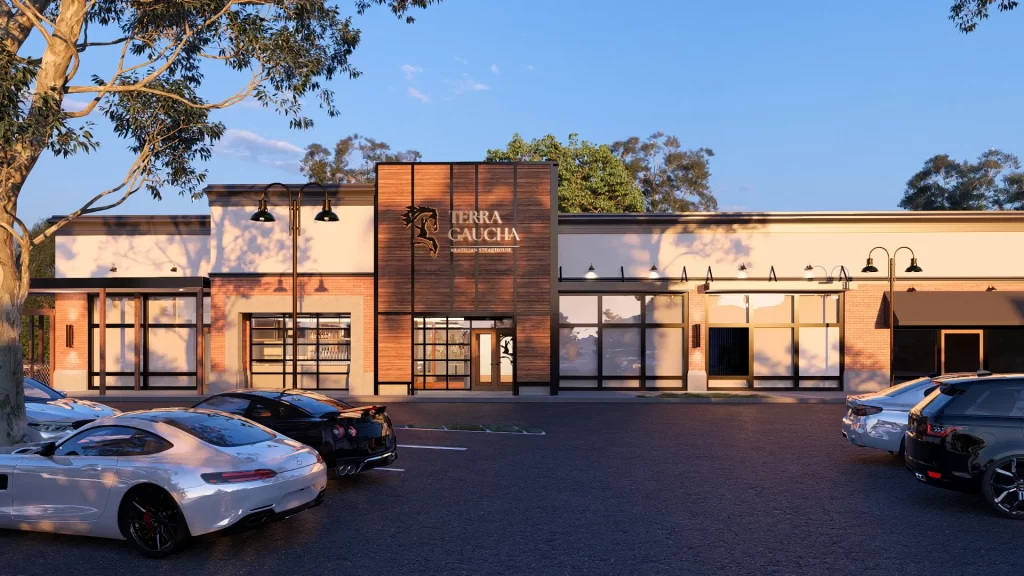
column 470, row 231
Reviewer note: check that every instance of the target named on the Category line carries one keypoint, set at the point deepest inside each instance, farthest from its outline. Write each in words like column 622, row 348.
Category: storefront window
column 774, row 340
column 167, row 341
column 442, row 352
column 324, row 354
column 622, row 341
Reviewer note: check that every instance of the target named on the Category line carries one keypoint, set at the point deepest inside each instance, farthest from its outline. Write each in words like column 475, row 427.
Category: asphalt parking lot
column 612, row 488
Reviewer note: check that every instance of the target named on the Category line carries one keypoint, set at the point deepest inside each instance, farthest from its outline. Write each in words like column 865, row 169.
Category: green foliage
column 319, row 165
column 591, row 178
column 42, row 264
column 967, row 14
column 670, row 178
column 994, row 182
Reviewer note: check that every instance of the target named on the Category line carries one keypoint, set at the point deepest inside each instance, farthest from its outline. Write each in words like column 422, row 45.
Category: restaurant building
column 463, row 277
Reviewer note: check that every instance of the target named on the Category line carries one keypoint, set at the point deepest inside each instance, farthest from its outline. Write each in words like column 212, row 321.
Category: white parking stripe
column 432, row 447
column 391, row 469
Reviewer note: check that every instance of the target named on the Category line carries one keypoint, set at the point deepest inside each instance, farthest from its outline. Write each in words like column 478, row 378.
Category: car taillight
column 352, row 431
column 939, row 431
column 340, row 431
column 865, row 410
column 237, row 477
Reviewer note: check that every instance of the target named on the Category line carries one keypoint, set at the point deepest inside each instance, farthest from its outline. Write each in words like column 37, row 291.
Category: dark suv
column 968, row 435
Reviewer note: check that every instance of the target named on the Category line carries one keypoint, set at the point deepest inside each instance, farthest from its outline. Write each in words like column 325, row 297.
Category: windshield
column 315, row 404
column 211, row 427
column 36, row 390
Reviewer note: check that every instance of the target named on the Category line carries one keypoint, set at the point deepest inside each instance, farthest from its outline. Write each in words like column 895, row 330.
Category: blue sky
column 807, row 105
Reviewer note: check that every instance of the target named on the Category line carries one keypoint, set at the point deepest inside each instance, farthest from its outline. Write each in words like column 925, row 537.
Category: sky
column 807, row 105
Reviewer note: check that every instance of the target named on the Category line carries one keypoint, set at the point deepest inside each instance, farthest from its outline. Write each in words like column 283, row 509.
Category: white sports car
column 157, row 477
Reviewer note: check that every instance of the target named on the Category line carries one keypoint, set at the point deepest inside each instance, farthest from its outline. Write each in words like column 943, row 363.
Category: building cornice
column 177, row 225
column 250, row 194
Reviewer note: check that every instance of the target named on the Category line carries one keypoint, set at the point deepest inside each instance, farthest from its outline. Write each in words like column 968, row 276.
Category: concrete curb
column 361, row 400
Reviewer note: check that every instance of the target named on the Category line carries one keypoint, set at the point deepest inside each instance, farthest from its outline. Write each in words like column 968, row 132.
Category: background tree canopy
column 968, row 13
column 633, row 175
column 323, row 166
column 993, row 182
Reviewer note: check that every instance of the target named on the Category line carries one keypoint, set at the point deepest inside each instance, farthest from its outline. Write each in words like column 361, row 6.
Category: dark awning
column 168, row 284
column 957, row 309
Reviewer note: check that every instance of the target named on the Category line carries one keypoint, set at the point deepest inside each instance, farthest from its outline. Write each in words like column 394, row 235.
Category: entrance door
column 493, row 358
column 962, row 351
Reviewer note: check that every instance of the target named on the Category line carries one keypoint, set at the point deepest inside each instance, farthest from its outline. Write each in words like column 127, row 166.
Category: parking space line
column 433, row 447
column 391, row 469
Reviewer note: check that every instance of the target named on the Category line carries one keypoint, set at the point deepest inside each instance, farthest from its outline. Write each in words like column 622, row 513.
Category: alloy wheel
column 1007, row 486
column 153, row 520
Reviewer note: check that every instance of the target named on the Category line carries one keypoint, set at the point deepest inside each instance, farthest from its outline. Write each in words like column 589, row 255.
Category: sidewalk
column 467, row 396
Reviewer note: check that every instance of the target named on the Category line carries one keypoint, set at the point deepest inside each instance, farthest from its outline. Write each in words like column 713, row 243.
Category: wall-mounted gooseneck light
column 591, row 273
column 742, row 272
column 654, row 274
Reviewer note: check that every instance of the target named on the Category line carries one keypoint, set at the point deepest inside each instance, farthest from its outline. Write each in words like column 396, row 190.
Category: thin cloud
column 494, row 68
column 461, row 60
column 414, row 93
column 252, row 147
column 530, row 67
column 467, row 84
column 410, row 71
column 72, row 105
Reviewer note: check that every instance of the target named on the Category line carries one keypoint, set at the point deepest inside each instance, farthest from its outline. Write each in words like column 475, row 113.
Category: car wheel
column 1003, row 487
column 151, row 520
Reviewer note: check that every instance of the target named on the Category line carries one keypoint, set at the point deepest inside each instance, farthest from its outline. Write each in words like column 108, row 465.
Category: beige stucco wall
column 235, row 373
column 134, row 255
column 947, row 254
column 239, row 245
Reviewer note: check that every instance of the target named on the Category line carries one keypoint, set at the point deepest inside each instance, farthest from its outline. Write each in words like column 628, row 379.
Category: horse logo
column 424, row 220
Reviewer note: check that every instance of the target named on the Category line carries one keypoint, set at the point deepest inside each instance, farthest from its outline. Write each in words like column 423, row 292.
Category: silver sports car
column 879, row 419
column 52, row 415
column 157, row 477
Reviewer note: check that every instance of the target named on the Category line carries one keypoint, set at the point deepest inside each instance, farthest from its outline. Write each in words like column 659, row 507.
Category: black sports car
column 968, row 435
column 350, row 439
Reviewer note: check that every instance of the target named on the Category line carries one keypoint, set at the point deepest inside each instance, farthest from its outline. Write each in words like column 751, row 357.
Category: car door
column 287, row 420
column 74, row 484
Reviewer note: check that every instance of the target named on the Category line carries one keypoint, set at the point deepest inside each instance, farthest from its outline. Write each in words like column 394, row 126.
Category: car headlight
column 51, row 426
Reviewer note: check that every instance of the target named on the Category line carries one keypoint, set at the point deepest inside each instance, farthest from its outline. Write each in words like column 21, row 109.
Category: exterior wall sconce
column 772, row 277
column 69, row 335
column 708, row 279
column 113, row 268
column 990, row 289
column 742, row 272
column 591, row 273
column 174, row 268
column 695, row 335
column 911, row 289
column 653, row 274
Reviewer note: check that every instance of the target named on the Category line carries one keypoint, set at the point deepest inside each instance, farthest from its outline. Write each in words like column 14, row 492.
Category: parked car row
column 157, row 477
column 963, row 432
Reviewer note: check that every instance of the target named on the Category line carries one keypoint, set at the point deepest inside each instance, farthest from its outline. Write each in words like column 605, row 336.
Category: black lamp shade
column 870, row 267
column 262, row 214
column 913, row 266
column 326, row 215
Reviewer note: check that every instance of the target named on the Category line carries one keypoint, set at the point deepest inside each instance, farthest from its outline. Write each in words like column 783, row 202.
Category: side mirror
column 48, row 449
column 62, row 393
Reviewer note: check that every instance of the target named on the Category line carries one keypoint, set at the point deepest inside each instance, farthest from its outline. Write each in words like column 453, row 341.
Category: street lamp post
column 870, row 267
column 295, row 229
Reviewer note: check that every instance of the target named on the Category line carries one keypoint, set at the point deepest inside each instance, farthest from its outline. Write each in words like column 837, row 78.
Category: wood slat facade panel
column 394, row 348
column 466, row 284
column 394, row 250
column 433, row 273
column 533, row 349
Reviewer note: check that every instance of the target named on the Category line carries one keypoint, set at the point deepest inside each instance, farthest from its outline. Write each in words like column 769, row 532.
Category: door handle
column 92, row 468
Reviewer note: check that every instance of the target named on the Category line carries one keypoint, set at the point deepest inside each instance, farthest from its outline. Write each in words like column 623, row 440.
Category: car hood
column 68, row 409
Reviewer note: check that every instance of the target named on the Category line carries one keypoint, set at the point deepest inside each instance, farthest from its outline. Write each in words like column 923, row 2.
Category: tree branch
column 102, row 90
column 17, row 26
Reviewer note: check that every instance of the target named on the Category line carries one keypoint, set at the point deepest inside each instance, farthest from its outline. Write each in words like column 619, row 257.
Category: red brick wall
column 223, row 287
column 71, row 309
column 866, row 332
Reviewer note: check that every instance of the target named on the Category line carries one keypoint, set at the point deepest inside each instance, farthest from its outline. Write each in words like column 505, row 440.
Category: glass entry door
column 962, row 351
column 493, row 359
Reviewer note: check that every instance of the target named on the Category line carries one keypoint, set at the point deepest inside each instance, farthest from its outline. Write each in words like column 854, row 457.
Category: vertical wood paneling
column 394, row 347
column 533, row 348
column 495, row 270
column 464, row 192
column 432, row 281
column 394, row 189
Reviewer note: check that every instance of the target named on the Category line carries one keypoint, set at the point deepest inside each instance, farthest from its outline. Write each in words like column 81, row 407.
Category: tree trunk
column 12, row 392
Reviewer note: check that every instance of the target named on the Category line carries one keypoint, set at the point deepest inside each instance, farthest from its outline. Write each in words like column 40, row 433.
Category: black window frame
column 795, row 324
column 419, row 326
column 287, row 336
column 643, row 378
column 144, row 324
